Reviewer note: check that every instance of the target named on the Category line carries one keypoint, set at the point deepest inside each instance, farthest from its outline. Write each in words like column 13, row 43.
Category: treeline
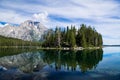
column 8, row 41
column 85, row 36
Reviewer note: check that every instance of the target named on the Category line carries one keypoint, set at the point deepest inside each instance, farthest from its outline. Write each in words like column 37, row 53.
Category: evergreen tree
column 58, row 37
column 83, row 40
column 72, row 39
column 67, row 35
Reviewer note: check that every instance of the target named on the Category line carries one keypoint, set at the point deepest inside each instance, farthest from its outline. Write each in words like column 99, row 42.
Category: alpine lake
column 27, row 64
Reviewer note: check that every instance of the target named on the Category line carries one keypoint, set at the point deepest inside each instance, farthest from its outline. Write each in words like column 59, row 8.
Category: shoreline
column 51, row 48
column 67, row 48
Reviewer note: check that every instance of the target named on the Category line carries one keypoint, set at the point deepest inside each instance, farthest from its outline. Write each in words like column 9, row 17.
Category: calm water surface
column 22, row 64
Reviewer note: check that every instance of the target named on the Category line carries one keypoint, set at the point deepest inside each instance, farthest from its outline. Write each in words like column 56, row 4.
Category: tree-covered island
column 70, row 37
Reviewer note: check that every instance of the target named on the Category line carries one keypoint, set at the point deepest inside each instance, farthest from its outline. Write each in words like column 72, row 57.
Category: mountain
column 28, row 30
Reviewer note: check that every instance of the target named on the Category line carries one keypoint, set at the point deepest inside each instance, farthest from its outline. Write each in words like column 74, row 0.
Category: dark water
column 22, row 64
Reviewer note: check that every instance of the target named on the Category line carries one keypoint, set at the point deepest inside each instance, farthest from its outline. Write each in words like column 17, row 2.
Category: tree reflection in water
column 73, row 60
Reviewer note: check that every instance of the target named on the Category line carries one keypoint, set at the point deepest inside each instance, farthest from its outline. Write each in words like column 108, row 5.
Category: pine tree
column 57, row 37
column 72, row 39
column 83, row 40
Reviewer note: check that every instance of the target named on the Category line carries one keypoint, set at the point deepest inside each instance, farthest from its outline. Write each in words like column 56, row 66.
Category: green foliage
column 7, row 41
column 85, row 36
column 72, row 39
column 88, row 37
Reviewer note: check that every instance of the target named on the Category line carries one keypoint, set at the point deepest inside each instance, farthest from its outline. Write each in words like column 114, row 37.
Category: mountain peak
column 28, row 30
column 30, row 23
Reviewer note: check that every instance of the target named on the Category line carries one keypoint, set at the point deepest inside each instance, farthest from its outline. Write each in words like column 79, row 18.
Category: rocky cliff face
column 28, row 30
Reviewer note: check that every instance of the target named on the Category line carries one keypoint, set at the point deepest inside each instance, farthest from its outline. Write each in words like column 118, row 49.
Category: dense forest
column 8, row 41
column 85, row 36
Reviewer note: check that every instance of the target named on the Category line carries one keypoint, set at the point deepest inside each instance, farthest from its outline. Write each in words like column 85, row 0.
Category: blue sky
column 102, row 14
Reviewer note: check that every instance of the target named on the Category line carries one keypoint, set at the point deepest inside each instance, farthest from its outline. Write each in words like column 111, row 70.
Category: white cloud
column 88, row 9
column 111, row 41
column 12, row 17
column 110, row 32
column 41, row 17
